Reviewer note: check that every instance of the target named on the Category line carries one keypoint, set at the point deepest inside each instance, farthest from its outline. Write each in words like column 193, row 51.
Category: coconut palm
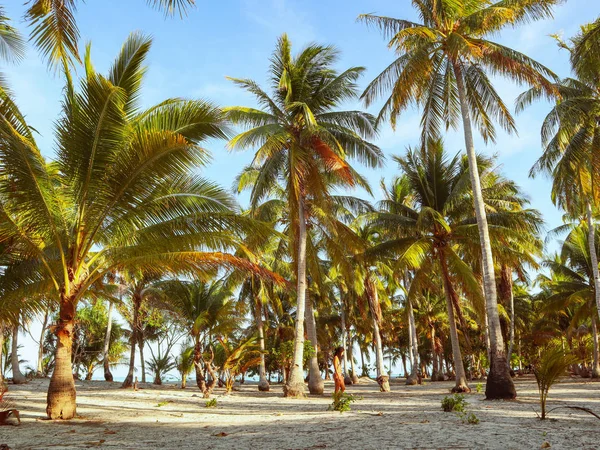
column 120, row 196
column 301, row 137
column 12, row 45
column 432, row 229
column 571, row 140
column 571, row 287
column 443, row 66
column 55, row 33
column 206, row 310
column 585, row 56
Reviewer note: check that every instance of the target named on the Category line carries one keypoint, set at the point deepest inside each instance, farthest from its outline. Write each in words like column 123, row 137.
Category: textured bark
column 499, row 382
column 135, row 329
column 142, row 361
column 436, row 372
column 344, row 340
column 354, row 376
column 107, row 373
column 200, row 376
column 382, row 376
column 511, row 301
column 1, row 354
column 61, row 400
column 593, row 255
column 17, row 376
column 294, row 386
column 414, row 345
column 596, row 351
column 315, row 382
column 263, row 384
column 40, row 361
column 461, row 384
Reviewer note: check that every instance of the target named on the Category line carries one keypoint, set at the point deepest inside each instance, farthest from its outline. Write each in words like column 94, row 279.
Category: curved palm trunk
column 354, row 376
column 294, row 386
column 40, row 361
column 461, row 384
column 1, row 354
column 499, row 382
column 382, row 376
column 263, row 384
column 344, row 342
column 135, row 329
column 507, row 276
column 107, row 373
column 200, row 376
column 17, row 377
column 61, row 400
column 436, row 371
column 596, row 351
column 142, row 362
column 414, row 345
column 593, row 255
column 315, row 382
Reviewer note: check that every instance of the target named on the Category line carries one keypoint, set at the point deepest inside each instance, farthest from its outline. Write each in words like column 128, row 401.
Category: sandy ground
column 409, row 417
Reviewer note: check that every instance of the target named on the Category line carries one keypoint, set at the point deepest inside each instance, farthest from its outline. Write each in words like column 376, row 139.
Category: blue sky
column 192, row 57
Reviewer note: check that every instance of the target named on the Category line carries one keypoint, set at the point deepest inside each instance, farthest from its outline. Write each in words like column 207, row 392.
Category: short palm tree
column 207, row 310
column 302, row 139
column 119, row 196
column 443, row 66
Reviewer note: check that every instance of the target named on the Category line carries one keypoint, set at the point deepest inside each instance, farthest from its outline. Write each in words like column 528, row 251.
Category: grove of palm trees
column 209, row 213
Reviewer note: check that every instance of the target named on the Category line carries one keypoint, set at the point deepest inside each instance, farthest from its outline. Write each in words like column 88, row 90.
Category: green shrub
column 212, row 403
column 469, row 418
column 479, row 388
column 456, row 403
column 341, row 402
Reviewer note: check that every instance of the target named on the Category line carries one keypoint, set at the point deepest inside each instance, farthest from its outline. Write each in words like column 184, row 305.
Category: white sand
column 409, row 417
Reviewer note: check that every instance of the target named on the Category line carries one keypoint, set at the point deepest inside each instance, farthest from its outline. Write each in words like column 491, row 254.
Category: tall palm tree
column 571, row 140
column 432, row 229
column 55, row 33
column 585, row 56
column 443, row 65
column 119, row 196
column 301, row 138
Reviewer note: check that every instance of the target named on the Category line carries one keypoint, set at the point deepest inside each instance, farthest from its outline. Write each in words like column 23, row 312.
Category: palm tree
column 432, row 229
column 443, row 66
column 572, row 288
column 55, row 33
column 12, row 45
column 120, row 196
column 571, row 140
column 585, row 56
column 207, row 310
column 301, row 138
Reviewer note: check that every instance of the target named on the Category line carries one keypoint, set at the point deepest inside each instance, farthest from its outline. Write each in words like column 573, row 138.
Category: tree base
column 412, row 380
column 263, row 386
column 354, row 379
column 316, row 388
column 61, row 401
column 294, row 390
column 437, row 376
column 499, row 385
column 461, row 389
column 384, row 383
column 108, row 376
column 348, row 381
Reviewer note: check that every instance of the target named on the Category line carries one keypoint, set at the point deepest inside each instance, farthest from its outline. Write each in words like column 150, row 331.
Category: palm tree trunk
column 499, row 382
column 596, row 351
column 436, row 372
column 593, row 255
column 40, row 361
column 1, row 354
column 511, row 339
column 414, row 345
column 200, row 375
column 128, row 382
column 142, row 362
column 18, row 377
column 354, row 376
column 382, row 376
column 295, row 383
column 263, row 384
column 344, row 340
column 107, row 373
column 451, row 296
column 61, row 400
column 315, row 382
